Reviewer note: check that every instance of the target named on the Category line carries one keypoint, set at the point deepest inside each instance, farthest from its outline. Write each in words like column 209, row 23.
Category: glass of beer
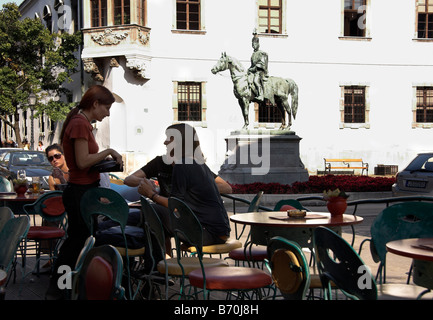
column 36, row 184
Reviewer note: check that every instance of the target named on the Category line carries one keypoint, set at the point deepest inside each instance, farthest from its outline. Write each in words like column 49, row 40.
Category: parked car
column 416, row 178
column 35, row 163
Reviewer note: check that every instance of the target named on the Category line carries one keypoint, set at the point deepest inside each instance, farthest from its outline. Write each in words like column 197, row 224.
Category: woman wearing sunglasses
column 60, row 174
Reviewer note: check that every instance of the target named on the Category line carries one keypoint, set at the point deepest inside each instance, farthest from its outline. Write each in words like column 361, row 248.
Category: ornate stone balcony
column 112, row 42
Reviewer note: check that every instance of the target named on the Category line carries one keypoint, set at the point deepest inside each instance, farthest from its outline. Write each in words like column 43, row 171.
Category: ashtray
column 296, row 213
column 107, row 166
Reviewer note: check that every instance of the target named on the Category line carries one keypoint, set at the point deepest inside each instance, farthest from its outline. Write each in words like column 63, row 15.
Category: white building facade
column 364, row 69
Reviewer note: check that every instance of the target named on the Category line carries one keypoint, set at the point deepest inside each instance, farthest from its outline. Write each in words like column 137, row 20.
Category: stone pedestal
column 263, row 156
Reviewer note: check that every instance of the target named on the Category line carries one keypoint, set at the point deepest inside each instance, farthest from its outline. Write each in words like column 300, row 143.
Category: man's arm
column 135, row 179
column 222, row 185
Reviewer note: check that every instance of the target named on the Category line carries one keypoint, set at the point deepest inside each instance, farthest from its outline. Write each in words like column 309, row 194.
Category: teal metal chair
column 289, row 268
column 249, row 254
column 187, row 228
column 399, row 221
column 5, row 215
column 14, row 232
column 291, row 202
column 168, row 267
column 49, row 206
column 100, row 275
column 109, row 203
column 338, row 262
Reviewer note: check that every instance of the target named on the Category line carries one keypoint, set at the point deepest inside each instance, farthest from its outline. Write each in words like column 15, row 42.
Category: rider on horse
column 259, row 68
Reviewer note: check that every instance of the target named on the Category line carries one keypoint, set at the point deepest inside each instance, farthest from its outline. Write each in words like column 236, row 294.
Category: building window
column 354, row 18
column 354, row 104
column 425, row 19
column 99, row 13
column 122, row 12
column 141, row 18
column 268, row 113
column 424, row 104
column 47, row 15
column 188, row 14
column 189, row 101
column 270, row 16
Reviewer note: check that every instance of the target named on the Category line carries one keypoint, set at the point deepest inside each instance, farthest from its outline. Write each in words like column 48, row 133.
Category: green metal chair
column 100, row 276
column 399, row 221
column 289, row 268
column 49, row 206
column 13, row 233
column 339, row 263
column 109, row 203
column 291, row 202
column 5, row 215
column 187, row 228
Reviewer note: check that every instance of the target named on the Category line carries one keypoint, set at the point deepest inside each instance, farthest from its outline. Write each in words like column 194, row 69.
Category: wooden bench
column 345, row 164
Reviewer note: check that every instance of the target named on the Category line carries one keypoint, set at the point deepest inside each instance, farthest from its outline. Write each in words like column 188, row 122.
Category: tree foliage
column 34, row 60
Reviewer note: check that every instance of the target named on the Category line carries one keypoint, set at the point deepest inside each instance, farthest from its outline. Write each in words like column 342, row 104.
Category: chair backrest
column 5, row 215
column 291, row 202
column 90, row 242
column 100, row 275
column 255, row 203
column 338, row 262
column 6, row 185
column 185, row 225
column 289, row 268
column 105, row 202
column 49, row 206
column 153, row 222
column 14, row 231
column 401, row 221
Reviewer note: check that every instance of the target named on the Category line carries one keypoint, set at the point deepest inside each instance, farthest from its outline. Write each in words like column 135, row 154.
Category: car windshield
column 27, row 158
column 423, row 162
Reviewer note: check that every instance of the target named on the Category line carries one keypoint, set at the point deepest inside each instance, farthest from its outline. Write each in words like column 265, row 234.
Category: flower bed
column 317, row 184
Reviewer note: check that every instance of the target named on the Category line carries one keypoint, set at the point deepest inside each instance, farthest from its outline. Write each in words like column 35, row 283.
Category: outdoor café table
column 16, row 202
column 267, row 224
column 421, row 251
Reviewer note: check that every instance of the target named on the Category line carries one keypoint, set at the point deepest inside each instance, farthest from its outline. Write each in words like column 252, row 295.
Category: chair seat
column 131, row 252
column 189, row 264
column 226, row 247
column 45, row 232
column 258, row 253
column 3, row 277
column 231, row 278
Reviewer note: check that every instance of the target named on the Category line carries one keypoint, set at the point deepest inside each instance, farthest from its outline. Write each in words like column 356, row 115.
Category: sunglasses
column 56, row 156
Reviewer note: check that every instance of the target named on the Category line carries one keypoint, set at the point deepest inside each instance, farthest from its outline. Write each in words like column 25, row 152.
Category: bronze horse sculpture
column 277, row 90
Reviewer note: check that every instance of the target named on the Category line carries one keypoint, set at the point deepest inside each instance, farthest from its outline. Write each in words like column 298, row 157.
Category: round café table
column 421, row 251
column 267, row 224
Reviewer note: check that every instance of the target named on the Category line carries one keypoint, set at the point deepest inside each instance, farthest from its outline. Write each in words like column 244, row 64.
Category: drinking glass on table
column 21, row 175
column 36, row 184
